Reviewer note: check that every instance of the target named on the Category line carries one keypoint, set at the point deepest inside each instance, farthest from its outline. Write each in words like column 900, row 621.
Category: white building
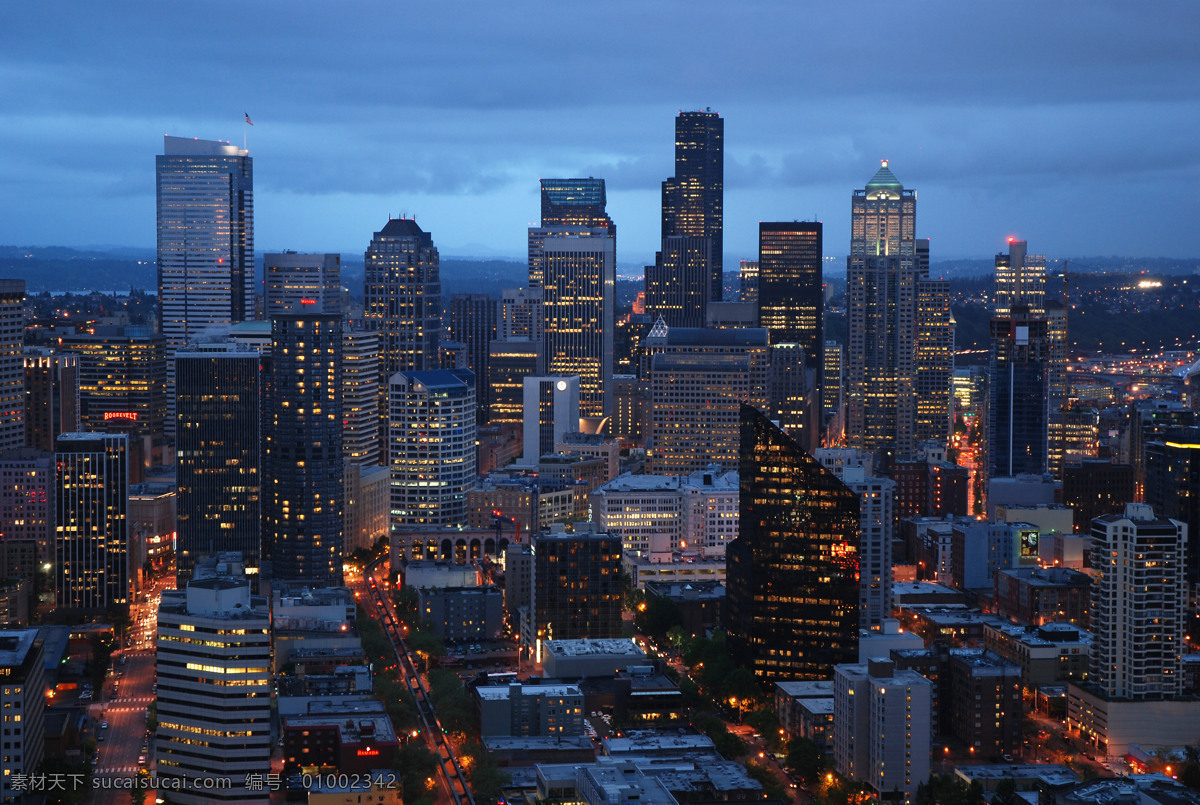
column 550, row 412
column 662, row 514
column 214, row 685
column 882, row 726
column 432, row 446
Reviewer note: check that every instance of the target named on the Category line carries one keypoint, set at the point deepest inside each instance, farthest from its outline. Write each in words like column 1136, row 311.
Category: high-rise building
column 472, row 321
column 1172, row 466
column 51, row 396
column 569, row 207
column 123, row 388
column 360, row 397
column 934, row 362
column 748, row 281
column 12, row 363
column 1018, row 404
column 693, row 199
column 882, row 727
column 296, row 282
column 214, row 686
column 832, row 379
column 750, row 343
column 794, row 403
column 402, row 296
column 219, row 399
column 303, row 490
column 694, row 417
column 885, row 295
column 790, row 287
column 550, row 411
column 579, row 282
column 432, row 449
column 205, row 193
column 576, row 585
column 509, row 363
column 1020, row 280
column 91, row 527
column 22, row 700
column 792, row 580
column 27, row 509
column 1139, row 601
column 520, row 314
column 678, row 284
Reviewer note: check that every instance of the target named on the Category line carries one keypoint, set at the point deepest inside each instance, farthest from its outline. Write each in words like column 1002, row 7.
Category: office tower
column 303, row 484
column 214, row 687
column 1018, row 408
column 678, row 284
column 51, row 396
column 432, row 451
column 123, row 388
column 1097, row 486
column 1148, row 420
column 748, row 279
column 750, row 343
column 694, row 411
column 550, row 411
column 792, row 588
column 631, row 406
column 693, row 199
column 790, row 287
column 579, row 284
column 569, row 207
column 876, row 529
column 1139, row 601
column 205, row 193
column 12, row 362
column 793, row 401
column 22, row 700
column 509, row 363
column 27, row 511
column 1172, row 467
column 882, row 727
column 934, row 362
column 833, row 381
column 1020, row 280
column 472, row 321
column 576, row 584
column 218, row 409
column 884, row 272
column 92, row 531
column 295, row 281
column 402, row 296
column 360, row 397
column 520, row 314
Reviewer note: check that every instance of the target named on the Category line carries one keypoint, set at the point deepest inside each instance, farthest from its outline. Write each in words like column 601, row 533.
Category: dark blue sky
column 1072, row 125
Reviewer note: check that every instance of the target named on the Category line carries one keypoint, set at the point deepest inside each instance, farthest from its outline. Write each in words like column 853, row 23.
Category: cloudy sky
column 1070, row 124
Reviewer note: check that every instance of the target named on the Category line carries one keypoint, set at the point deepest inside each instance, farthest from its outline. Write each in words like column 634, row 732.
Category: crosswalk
column 117, row 770
column 142, row 700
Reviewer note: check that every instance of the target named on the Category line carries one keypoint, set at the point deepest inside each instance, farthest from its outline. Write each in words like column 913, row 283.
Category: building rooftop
column 621, row 647
column 15, row 645
column 634, row 742
column 806, row 690
column 884, row 178
column 404, row 228
column 499, row 693
column 705, row 336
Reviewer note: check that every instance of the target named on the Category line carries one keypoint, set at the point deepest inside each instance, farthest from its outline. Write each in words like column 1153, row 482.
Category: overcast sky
column 1070, row 124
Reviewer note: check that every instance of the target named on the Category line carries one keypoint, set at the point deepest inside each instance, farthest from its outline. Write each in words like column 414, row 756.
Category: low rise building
column 346, row 736
column 1044, row 595
column 576, row 659
column 805, row 710
column 684, row 568
column 1049, row 654
column 462, row 614
column 549, row 709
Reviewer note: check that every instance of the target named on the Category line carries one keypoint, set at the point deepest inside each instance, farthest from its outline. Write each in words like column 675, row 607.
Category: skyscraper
column 694, row 418
column 579, row 305
column 790, row 285
column 1018, row 404
column 51, row 396
column 576, row 584
column 432, row 448
column 303, row 482
column 934, row 365
column 205, row 192
column 792, row 590
column 360, row 397
column 402, row 293
column 693, row 199
column 218, row 411
column 472, row 321
column 92, row 537
column 12, row 364
column 1020, row 280
column 886, row 289
column 550, row 410
column 569, row 207
column 677, row 285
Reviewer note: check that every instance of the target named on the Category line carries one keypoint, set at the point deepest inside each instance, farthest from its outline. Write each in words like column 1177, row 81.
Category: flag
column 248, row 120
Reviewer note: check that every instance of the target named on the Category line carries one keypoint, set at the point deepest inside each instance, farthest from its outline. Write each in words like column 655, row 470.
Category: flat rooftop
column 620, row 647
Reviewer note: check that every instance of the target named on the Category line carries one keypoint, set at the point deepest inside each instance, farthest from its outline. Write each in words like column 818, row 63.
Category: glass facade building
column 693, row 200
column 677, row 285
column 792, row 585
column 219, row 398
column 402, row 292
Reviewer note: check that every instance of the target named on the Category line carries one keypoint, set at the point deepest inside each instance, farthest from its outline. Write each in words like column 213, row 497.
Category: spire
column 884, row 178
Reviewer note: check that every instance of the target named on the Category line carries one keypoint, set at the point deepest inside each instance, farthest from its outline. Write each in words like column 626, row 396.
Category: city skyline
column 1023, row 145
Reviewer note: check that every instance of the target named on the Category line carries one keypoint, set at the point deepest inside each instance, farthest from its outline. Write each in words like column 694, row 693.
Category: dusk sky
column 1072, row 125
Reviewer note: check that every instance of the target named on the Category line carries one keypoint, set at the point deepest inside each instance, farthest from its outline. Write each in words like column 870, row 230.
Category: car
column 141, row 760
column 104, row 725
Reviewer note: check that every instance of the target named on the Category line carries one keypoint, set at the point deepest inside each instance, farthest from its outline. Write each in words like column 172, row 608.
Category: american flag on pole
column 248, row 120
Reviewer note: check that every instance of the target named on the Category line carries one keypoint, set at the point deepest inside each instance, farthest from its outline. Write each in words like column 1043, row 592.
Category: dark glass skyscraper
column 303, row 481
column 693, row 200
column 217, row 455
column 792, row 589
column 577, row 585
column 677, row 285
column 790, row 302
column 1018, row 404
column 472, row 321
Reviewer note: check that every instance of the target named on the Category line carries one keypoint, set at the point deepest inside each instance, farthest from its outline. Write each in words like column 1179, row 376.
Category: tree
column 1006, row 793
column 417, row 767
column 772, row 787
column 655, row 615
column 947, row 789
column 805, row 759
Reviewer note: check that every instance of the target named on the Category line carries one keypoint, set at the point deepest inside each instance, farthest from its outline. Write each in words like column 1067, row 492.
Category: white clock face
column 562, row 385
